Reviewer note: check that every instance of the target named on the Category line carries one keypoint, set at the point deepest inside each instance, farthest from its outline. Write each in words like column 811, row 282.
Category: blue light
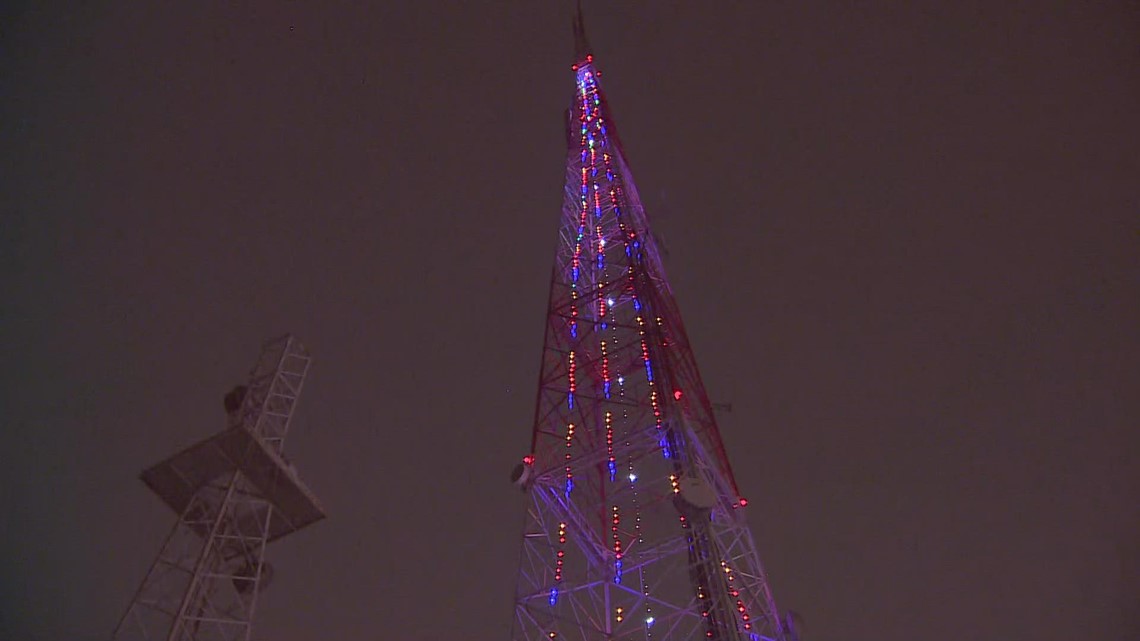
column 637, row 305
column 569, row 486
column 617, row 571
column 664, row 442
column 606, row 385
column 553, row 596
column 613, row 471
column 570, row 399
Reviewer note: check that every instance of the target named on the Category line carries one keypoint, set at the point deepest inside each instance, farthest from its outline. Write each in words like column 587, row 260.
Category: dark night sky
column 904, row 237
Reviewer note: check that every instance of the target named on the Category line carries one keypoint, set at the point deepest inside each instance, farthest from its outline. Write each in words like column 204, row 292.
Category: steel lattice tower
column 635, row 528
column 234, row 493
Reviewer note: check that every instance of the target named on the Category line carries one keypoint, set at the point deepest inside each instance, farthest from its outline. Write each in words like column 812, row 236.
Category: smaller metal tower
column 234, row 493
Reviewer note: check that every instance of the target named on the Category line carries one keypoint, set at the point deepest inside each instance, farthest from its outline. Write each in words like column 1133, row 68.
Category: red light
column 528, row 459
column 677, row 394
column 743, row 502
column 589, row 58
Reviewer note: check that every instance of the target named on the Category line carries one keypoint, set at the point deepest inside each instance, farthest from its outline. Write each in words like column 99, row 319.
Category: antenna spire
column 582, row 49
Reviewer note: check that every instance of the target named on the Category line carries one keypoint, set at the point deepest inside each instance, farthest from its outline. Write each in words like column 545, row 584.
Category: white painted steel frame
column 204, row 584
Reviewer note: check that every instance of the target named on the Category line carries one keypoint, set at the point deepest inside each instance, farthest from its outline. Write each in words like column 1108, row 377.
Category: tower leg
column 205, row 583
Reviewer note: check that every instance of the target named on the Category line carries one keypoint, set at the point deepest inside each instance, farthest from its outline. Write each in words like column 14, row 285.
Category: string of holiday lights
column 615, row 527
column 741, row 609
column 569, row 456
column 611, row 462
column 560, row 555
column 639, row 540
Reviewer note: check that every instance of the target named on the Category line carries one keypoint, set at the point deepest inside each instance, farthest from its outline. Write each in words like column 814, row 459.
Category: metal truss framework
column 635, row 528
column 234, row 493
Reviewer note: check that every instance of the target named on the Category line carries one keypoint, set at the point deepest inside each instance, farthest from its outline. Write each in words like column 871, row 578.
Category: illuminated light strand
column 607, row 375
column 654, row 401
column 569, row 469
column 615, row 524
column 601, row 244
column 675, row 486
column 605, row 371
column 740, row 607
column 573, row 313
column 559, row 560
column 663, row 441
column 601, row 285
column 576, row 261
column 571, row 372
column 639, row 538
column 599, row 233
column 611, row 462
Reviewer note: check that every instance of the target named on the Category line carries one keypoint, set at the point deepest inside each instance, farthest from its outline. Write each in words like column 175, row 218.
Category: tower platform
column 178, row 478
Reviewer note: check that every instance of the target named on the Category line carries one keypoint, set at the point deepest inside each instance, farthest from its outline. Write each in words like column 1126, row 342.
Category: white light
column 632, row 477
column 601, row 241
column 621, row 380
column 649, row 621
column 610, row 302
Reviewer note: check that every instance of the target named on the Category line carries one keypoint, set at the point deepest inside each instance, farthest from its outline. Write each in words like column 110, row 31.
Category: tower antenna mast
column 635, row 528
